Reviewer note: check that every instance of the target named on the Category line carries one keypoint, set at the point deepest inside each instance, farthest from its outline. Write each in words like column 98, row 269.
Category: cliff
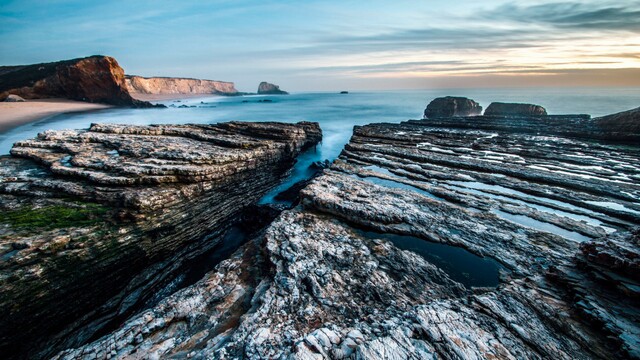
column 450, row 238
column 170, row 85
column 93, row 224
column 94, row 79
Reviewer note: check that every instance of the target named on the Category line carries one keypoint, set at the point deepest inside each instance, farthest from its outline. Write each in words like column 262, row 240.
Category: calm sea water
column 336, row 113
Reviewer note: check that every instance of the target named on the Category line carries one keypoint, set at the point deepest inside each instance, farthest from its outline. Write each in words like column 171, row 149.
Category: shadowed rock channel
column 93, row 223
column 314, row 285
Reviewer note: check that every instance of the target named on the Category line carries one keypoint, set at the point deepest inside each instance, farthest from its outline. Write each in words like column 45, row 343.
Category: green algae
column 54, row 216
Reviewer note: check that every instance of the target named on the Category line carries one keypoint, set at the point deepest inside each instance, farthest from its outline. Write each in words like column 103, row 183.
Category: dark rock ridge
column 449, row 106
column 93, row 223
column 622, row 123
column 514, row 109
column 557, row 211
column 94, row 79
column 266, row 88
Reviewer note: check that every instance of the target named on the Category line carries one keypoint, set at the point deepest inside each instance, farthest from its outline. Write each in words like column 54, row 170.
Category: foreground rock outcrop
column 441, row 238
column 170, row 85
column 449, row 106
column 94, row 79
column 514, row 109
column 93, row 224
column 266, row 88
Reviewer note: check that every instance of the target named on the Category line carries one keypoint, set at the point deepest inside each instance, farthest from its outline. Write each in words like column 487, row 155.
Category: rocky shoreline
column 326, row 281
column 512, row 235
column 94, row 222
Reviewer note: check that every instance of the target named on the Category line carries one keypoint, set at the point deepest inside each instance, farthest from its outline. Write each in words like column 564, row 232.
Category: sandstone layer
column 345, row 274
column 169, row 85
column 266, row 88
column 93, row 79
column 94, row 222
column 449, row 106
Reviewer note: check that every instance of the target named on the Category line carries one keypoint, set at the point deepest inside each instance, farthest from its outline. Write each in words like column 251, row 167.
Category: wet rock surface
column 514, row 109
column 556, row 210
column 93, row 79
column 449, row 106
column 93, row 223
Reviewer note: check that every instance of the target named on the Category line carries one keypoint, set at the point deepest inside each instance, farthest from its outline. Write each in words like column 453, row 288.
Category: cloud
column 575, row 15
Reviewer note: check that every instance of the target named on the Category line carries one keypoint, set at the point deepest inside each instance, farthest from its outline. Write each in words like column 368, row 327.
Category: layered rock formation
column 170, row 85
column 93, row 223
column 449, row 106
column 552, row 213
column 514, row 109
column 266, row 88
column 94, row 79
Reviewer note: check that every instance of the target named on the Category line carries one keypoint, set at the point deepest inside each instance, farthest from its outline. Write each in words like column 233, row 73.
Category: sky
column 339, row 44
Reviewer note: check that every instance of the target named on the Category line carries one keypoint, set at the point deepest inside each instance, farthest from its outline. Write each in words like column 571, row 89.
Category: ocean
column 336, row 113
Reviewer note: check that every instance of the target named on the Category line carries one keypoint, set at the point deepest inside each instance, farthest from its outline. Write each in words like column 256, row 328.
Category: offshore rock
column 328, row 278
column 93, row 79
column 266, row 88
column 514, row 109
column 170, row 85
column 13, row 98
column 449, row 106
column 94, row 222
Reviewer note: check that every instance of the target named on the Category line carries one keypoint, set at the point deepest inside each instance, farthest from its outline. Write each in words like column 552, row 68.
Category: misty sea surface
column 336, row 113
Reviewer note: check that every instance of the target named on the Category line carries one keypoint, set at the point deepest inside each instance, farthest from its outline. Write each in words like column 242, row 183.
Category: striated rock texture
column 329, row 278
column 266, row 88
column 449, row 106
column 93, row 223
column 170, row 85
column 514, row 109
column 623, row 123
column 94, row 79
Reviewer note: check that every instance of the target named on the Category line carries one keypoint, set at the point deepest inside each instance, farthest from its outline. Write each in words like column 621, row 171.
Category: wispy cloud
column 312, row 41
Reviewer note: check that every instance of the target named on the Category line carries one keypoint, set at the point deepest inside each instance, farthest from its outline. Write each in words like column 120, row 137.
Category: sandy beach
column 13, row 114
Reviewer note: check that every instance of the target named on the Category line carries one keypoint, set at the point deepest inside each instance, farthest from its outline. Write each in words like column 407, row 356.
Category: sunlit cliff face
column 315, row 45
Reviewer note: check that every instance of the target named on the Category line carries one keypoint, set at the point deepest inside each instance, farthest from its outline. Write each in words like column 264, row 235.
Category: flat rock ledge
column 554, row 213
column 94, row 222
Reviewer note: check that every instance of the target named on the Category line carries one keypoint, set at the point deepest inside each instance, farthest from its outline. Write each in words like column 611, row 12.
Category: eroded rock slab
column 94, row 221
column 556, row 211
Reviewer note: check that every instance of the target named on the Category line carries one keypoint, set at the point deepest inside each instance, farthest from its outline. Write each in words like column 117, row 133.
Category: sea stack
column 450, row 106
column 514, row 109
column 266, row 88
column 96, row 79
